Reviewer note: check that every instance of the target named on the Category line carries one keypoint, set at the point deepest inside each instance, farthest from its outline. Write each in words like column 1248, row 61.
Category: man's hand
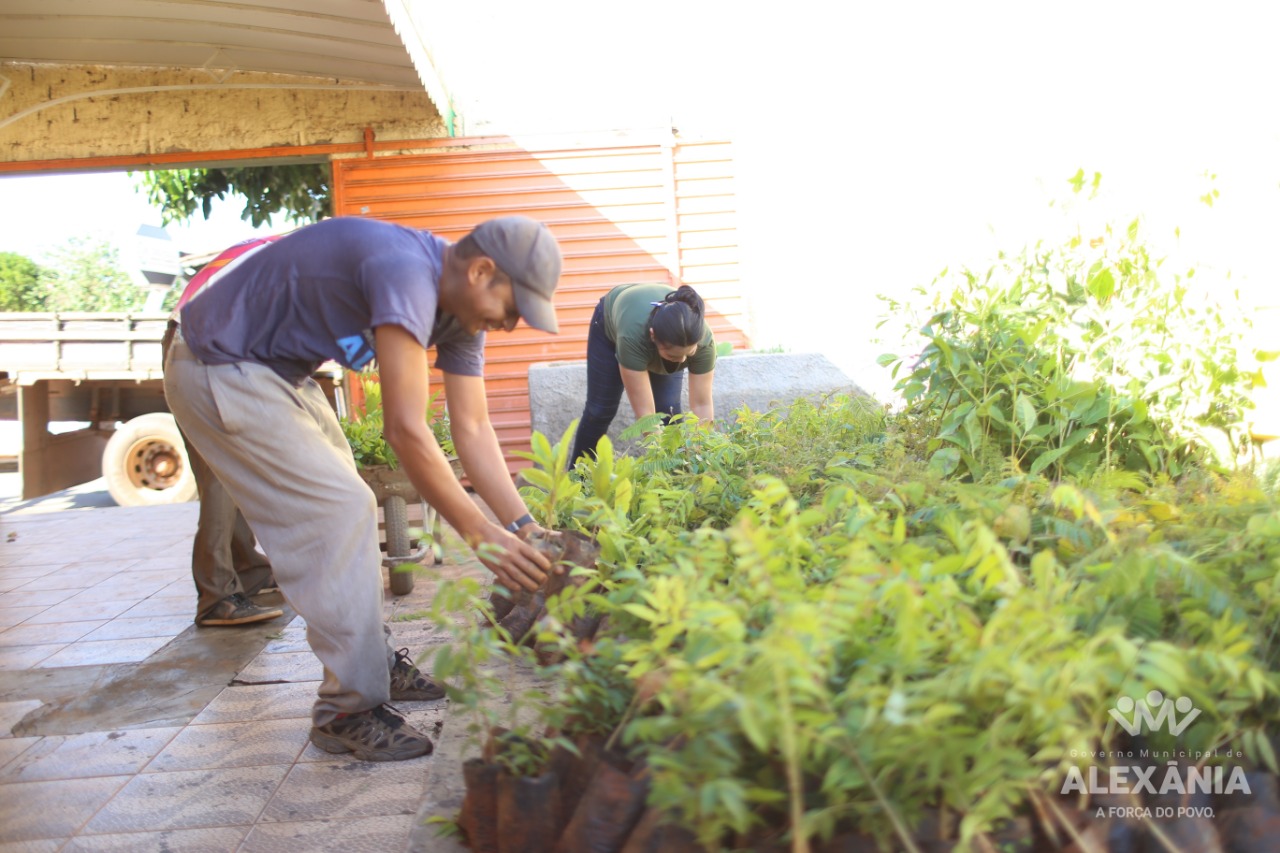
column 514, row 562
column 533, row 530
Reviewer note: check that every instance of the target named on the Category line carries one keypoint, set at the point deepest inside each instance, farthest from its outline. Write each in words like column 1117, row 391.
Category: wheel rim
column 154, row 464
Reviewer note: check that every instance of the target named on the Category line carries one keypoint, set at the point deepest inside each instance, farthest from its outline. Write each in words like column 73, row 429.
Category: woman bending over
column 642, row 339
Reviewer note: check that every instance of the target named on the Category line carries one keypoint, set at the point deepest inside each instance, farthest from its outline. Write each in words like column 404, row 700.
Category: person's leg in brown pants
column 226, row 566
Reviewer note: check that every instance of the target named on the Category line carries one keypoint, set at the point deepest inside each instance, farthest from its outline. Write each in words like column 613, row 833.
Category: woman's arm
column 639, row 392
column 701, row 400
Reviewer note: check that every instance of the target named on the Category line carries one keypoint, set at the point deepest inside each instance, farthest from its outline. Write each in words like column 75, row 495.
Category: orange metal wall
column 623, row 214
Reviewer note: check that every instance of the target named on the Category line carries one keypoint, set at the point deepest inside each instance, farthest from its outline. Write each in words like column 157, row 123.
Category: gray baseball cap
column 525, row 250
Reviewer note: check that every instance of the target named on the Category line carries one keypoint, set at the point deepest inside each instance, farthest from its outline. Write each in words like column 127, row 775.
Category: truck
column 102, row 371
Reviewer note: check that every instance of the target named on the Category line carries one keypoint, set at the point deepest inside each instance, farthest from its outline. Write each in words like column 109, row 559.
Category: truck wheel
column 145, row 463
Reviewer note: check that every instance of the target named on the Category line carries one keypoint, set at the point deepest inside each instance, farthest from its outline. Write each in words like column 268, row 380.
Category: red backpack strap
column 210, row 270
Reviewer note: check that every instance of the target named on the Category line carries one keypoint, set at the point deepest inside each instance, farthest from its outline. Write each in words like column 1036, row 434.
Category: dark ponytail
column 679, row 319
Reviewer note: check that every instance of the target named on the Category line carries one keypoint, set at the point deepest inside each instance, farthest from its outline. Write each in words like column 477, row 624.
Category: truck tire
column 145, row 463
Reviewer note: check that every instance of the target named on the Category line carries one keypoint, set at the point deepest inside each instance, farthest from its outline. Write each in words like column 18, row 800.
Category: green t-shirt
column 626, row 322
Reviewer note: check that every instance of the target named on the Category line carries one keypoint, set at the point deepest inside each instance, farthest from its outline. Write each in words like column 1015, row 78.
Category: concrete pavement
column 123, row 726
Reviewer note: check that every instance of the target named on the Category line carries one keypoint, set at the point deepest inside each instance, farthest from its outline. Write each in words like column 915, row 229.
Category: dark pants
column 224, row 560
column 605, row 389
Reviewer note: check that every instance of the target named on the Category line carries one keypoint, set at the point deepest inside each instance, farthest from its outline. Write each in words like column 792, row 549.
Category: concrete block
column 759, row 381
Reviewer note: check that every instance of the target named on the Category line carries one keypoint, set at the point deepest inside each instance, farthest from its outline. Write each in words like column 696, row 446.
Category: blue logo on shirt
column 357, row 350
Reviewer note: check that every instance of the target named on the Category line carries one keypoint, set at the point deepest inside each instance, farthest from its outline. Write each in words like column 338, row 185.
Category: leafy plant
column 20, row 288
column 521, row 754
column 364, row 429
column 483, row 669
column 812, row 625
column 1075, row 358
column 552, row 487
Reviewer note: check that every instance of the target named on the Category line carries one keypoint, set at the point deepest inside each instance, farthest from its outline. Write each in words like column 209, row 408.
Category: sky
column 875, row 144
column 40, row 213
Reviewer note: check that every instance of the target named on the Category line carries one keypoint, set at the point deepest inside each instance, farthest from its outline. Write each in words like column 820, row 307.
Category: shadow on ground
column 169, row 688
column 84, row 496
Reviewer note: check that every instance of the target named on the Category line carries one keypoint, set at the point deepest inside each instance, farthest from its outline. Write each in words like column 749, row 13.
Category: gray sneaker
column 379, row 734
column 235, row 609
column 409, row 684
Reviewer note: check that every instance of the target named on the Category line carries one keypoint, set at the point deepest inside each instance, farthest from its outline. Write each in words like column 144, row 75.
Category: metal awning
column 370, row 42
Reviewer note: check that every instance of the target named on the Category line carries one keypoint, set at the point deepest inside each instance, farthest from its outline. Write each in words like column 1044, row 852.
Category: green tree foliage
column 300, row 192
column 20, row 288
column 1077, row 357
column 85, row 275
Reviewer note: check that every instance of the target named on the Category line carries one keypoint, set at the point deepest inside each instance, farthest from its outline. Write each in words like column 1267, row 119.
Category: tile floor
column 105, row 587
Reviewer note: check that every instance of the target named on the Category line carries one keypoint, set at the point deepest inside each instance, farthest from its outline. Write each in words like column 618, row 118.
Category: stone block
column 759, row 381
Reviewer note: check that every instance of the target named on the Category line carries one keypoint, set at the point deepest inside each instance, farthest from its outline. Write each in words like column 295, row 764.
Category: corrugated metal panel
column 707, row 236
column 621, row 214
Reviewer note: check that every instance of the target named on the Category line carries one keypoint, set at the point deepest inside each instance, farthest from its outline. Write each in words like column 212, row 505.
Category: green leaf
column 622, row 492
column 560, row 456
column 1099, row 412
column 944, row 462
column 1026, row 413
column 537, row 477
column 641, row 612
column 1267, row 753
column 541, row 449
column 1101, row 284
column 646, row 424
column 912, row 390
column 751, row 725
column 1044, row 460
column 731, row 797
column 602, row 476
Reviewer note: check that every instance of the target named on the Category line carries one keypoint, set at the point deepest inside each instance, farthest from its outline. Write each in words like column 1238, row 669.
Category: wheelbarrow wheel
column 396, row 522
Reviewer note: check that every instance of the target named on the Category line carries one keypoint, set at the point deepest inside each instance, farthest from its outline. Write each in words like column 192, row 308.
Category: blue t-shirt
column 318, row 293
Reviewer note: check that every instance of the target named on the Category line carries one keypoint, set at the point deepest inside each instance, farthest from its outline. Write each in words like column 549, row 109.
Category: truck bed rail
column 81, row 346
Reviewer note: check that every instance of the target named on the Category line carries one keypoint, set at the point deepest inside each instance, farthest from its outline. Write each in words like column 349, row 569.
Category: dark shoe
column 408, row 684
column 237, row 610
column 379, row 734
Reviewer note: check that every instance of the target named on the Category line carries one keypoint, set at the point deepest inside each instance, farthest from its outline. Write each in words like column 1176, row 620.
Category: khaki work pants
column 282, row 456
